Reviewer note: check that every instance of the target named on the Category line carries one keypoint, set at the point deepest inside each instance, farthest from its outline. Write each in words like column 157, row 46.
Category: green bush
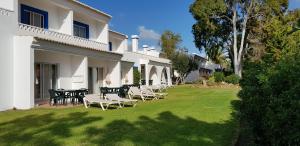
column 211, row 81
column 270, row 95
column 219, row 77
column 136, row 76
column 232, row 79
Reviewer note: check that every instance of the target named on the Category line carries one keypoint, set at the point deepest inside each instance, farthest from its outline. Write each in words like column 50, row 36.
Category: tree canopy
column 232, row 25
column 170, row 43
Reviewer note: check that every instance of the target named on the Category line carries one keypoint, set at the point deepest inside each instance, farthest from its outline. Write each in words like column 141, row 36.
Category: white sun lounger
column 150, row 90
column 135, row 92
column 148, row 93
column 96, row 99
column 116, row 97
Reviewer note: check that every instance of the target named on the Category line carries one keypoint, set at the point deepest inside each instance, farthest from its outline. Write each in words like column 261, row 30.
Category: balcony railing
column 46, row 34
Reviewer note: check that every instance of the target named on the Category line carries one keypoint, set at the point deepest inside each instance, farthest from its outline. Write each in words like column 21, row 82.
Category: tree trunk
column 235, row 48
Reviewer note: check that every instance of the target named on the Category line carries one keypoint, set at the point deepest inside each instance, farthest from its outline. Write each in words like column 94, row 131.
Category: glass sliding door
column 45, row 79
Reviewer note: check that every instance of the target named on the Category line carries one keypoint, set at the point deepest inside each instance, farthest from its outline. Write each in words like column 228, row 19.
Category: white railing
column 5, row 12
column 46, row 34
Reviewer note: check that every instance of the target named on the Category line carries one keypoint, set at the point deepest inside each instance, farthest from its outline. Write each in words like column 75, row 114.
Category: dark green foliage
column 271, row 87
column 136, row 76
column 169, row 43
column 232, row 79
column 219, row 77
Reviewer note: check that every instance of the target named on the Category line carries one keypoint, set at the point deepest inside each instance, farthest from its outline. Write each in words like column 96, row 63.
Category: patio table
column 72, row 94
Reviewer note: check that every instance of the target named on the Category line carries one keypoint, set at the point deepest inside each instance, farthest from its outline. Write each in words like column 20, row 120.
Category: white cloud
column 148, row 34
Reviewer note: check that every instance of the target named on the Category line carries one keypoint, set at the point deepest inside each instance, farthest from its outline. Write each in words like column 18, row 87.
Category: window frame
column 25, row 9
column 82, row 25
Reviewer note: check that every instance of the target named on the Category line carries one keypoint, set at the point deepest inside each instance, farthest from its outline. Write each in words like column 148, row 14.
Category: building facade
column 205, row 69
column 52, row 44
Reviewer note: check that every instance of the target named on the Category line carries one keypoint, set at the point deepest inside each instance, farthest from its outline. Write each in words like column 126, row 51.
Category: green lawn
column 188, row 116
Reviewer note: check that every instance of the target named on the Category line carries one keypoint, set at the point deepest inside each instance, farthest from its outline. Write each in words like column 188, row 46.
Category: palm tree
column 218, row 56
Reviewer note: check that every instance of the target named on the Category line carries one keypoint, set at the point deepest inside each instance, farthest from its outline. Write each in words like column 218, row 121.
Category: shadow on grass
column 166, row 129
column 42, row 129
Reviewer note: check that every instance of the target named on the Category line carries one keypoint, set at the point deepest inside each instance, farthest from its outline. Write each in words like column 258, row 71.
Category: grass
column 188, row 116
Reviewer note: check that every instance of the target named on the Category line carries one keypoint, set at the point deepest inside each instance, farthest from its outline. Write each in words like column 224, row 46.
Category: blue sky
column 149, row 18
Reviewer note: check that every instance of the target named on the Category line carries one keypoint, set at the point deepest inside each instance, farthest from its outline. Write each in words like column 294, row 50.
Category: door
column 45, row 79
column 99, row 80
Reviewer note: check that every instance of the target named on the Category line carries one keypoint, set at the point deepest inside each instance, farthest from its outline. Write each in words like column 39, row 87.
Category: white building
column 205, row 69
column 51, row 44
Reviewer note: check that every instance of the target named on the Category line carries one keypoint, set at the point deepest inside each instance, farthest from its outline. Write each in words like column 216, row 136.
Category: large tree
column 231, row 24
column 170, row 42
column 183, row 64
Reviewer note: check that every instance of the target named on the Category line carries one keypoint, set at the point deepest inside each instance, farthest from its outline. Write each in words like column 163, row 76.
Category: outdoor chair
column 55, row 97
column 116, row 97
column 95, row 99
column 146, row 92
column 159, row 90
column 135, row 92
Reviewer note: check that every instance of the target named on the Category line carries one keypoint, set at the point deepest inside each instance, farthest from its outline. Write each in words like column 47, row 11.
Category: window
column 81, row 30
column 34, row 17
column 110, row 46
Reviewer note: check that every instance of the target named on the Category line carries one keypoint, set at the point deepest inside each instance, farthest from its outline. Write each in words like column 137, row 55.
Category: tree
column 183, row 64
column 269, row 107
column 170, row 43
column 230, row 24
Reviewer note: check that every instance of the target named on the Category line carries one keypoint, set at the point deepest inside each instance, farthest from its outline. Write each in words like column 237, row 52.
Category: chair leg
column 101, row 104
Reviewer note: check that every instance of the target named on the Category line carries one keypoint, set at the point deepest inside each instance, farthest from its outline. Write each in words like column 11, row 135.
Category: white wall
column 23, row 72
column 59, row 18
column 119, row 42
column 98, row 30
column 7, row 4
column 127, row 73
column 192, row 76
column 111, row 71
column 72, row 69
column 79, row 72
column 8, row 24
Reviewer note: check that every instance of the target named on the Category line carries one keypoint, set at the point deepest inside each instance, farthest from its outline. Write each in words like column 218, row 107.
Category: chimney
column 135, row 43
column 145, row 48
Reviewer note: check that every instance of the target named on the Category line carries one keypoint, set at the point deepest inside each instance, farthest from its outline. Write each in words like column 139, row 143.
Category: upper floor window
column 81, row 30
column 110, row 46
column 34, row 17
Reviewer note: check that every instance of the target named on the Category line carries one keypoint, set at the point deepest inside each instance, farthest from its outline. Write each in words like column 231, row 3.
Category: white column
column 7, row 28
column 95, row 81
column 130, row 75
column 169, row 76
column 23, row 72
column 147, row 71
column 67, row 24
column 115, row 76
column 159, row 72
column 86, row 72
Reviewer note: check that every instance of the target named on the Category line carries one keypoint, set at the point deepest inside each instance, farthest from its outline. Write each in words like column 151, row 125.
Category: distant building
column 205, row 69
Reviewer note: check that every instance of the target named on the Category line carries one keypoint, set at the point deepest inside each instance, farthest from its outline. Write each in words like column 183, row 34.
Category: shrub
column 211, row 81
column 270, row 98
column 219, row 77
column 232, row 79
